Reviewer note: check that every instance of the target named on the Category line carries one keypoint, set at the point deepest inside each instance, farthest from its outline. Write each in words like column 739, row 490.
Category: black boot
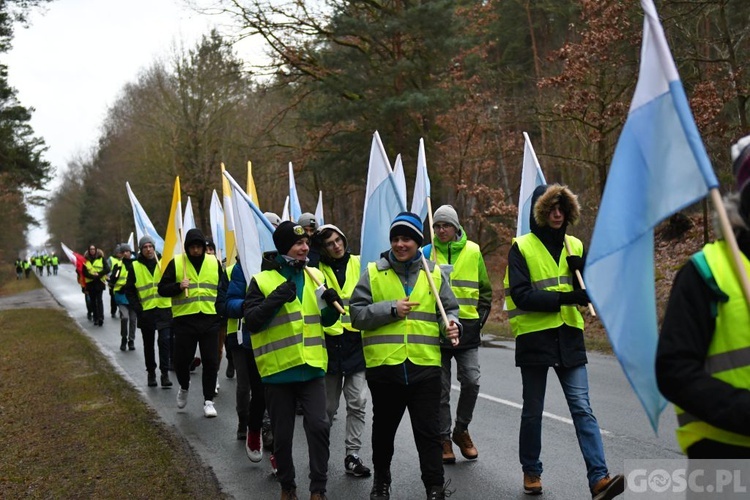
column 151, row 379
column 165, row 382
column 230, row 365
column 381, row 487
column 124, row 343
column 131, row 345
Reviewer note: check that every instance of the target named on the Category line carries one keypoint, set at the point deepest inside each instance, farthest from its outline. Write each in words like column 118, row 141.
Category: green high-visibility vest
column 294, row 336
column 146, row 285
column 352, row 277
column 464, row 278
column 728, row 356
column 416, row 337
column 546, row 274
column 114, row 261
column 201, row 297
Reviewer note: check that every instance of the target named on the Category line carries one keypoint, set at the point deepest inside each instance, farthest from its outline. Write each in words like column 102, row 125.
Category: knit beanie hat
column 307, row 219
column 446, row 214
column 409, row 225
column 741, row 170
column 286, row 235
column 273, row 218
column 124, row 247
column 146, row 240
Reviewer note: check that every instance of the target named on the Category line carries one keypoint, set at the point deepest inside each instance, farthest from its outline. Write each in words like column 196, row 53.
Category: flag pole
column 436, row 293
column 433, row 254
column 728, row 233
column 317, row 282
column 578, row 275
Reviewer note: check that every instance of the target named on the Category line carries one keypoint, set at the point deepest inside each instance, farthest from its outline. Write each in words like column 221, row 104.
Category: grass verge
column 73, row 428
column 9, row 285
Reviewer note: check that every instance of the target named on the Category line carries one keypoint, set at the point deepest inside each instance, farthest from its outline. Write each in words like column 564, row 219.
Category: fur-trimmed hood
column 556, row 193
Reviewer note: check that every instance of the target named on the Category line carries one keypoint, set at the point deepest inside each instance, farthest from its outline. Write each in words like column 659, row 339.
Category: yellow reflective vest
column 416, row 337
column 546, row 274
column 352, row 277
column 202, row 290
column 294, row 336
column 146, row 285
column 97, row 266
column 464, row 278
column 233, row 324
column 728, row 356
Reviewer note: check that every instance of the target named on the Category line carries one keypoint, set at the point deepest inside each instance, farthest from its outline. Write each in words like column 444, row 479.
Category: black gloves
column 331, row 296
column 285, row 292
column 575, row 263
column 579, row 297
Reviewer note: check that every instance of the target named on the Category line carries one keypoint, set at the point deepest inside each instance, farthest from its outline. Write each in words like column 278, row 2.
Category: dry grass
column 73, row 428
column 9, row 285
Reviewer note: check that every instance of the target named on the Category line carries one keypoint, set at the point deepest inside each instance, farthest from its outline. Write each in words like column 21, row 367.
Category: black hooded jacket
column 558, row 347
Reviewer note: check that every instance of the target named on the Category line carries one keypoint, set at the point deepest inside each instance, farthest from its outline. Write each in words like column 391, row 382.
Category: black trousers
column 187, row 336
column 251, row 398
column 164, row 345
column 389, row 401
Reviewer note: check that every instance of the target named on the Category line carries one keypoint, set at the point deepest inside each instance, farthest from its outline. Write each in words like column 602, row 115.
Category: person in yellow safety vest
column 394, row 308
column 117, row 279
column 285, row 316
column 541, row 293
column 703, row 357
column 114, row 260
column 463, row 262
column 55, row 264
column 26, row 268
column 191, row 280
column 153, row 311
column 95, row 273
column 346, row 361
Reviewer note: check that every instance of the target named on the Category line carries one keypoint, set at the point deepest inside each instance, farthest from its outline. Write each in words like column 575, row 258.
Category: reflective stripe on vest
column 352, row 277
column 465, row 278
column 728, row 356
column 202, row 289
column 416, row 337
column 294, row 336
column 545, row 274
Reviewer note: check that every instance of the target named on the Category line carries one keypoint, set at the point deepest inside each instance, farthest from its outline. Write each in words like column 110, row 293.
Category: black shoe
column 354, row 466
column 230, row 368
column 151, row 379
column 123, row 344
column 195, row 363
column 165, row 382
column 267, row 438
column 439, row 492
column 131, row 345
column 381, row 489
column 241, row 431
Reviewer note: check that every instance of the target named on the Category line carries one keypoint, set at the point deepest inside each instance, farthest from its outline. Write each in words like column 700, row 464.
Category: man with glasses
column 346, row 361
column 462, row 260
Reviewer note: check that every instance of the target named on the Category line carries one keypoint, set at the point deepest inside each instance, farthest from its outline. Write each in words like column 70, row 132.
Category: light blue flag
column 216, row 218
column 253, row 232
column 143, row 225
column 421, row 185
column 319, row 217
column 660, row 166
column 295, row 211
column 531, row 177
column 383, row 203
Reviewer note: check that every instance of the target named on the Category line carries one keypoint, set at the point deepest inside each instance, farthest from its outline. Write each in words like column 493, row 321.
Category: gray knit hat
column 446, row 214
column 146, row 240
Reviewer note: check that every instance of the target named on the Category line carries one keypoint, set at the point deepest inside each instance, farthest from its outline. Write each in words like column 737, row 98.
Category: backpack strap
column 701, row 265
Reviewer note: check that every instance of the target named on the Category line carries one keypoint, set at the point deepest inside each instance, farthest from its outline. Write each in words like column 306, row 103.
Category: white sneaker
column 208, row 409
column 182, row 398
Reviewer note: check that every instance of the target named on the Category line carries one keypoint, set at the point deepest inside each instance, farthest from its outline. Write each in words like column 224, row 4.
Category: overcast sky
column 73, row 60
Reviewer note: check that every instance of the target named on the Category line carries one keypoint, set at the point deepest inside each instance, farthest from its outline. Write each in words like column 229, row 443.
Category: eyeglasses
column 442, row 227
column 333, row 243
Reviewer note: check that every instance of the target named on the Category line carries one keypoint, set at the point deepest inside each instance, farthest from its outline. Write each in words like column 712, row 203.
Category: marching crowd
column 314, row 325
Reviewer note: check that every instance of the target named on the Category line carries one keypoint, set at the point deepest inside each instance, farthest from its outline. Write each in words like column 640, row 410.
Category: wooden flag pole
column 436, row 293
column 433, row 253
column 728, row 233
column 317, row 282
column 580, row 278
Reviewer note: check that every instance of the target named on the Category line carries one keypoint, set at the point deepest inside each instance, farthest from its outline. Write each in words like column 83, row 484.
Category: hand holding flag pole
column 435, row 292
column 580, row 278
column 319, row 284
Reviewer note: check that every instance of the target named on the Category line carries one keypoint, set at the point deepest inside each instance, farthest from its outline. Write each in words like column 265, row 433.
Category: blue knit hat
column 409, row 225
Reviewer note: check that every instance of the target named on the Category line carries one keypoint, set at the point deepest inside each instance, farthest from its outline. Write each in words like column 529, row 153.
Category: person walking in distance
column 95, row 271
column 117, row 280
column 346, row 362
column 549, row 333
column 462, row 260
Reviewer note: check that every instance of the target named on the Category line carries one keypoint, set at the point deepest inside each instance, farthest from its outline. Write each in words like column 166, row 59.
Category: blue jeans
column 575, row 386
column 467, row 366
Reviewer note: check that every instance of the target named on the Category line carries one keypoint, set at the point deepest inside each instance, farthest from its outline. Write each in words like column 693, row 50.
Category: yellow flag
column 251, row 185
column 173, row 238
column 229, row 242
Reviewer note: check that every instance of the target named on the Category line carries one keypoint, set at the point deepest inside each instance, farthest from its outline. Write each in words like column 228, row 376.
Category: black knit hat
column 409, row 225
column 286, row 235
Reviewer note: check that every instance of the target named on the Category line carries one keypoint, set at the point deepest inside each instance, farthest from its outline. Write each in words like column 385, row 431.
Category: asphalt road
column 496, row 474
